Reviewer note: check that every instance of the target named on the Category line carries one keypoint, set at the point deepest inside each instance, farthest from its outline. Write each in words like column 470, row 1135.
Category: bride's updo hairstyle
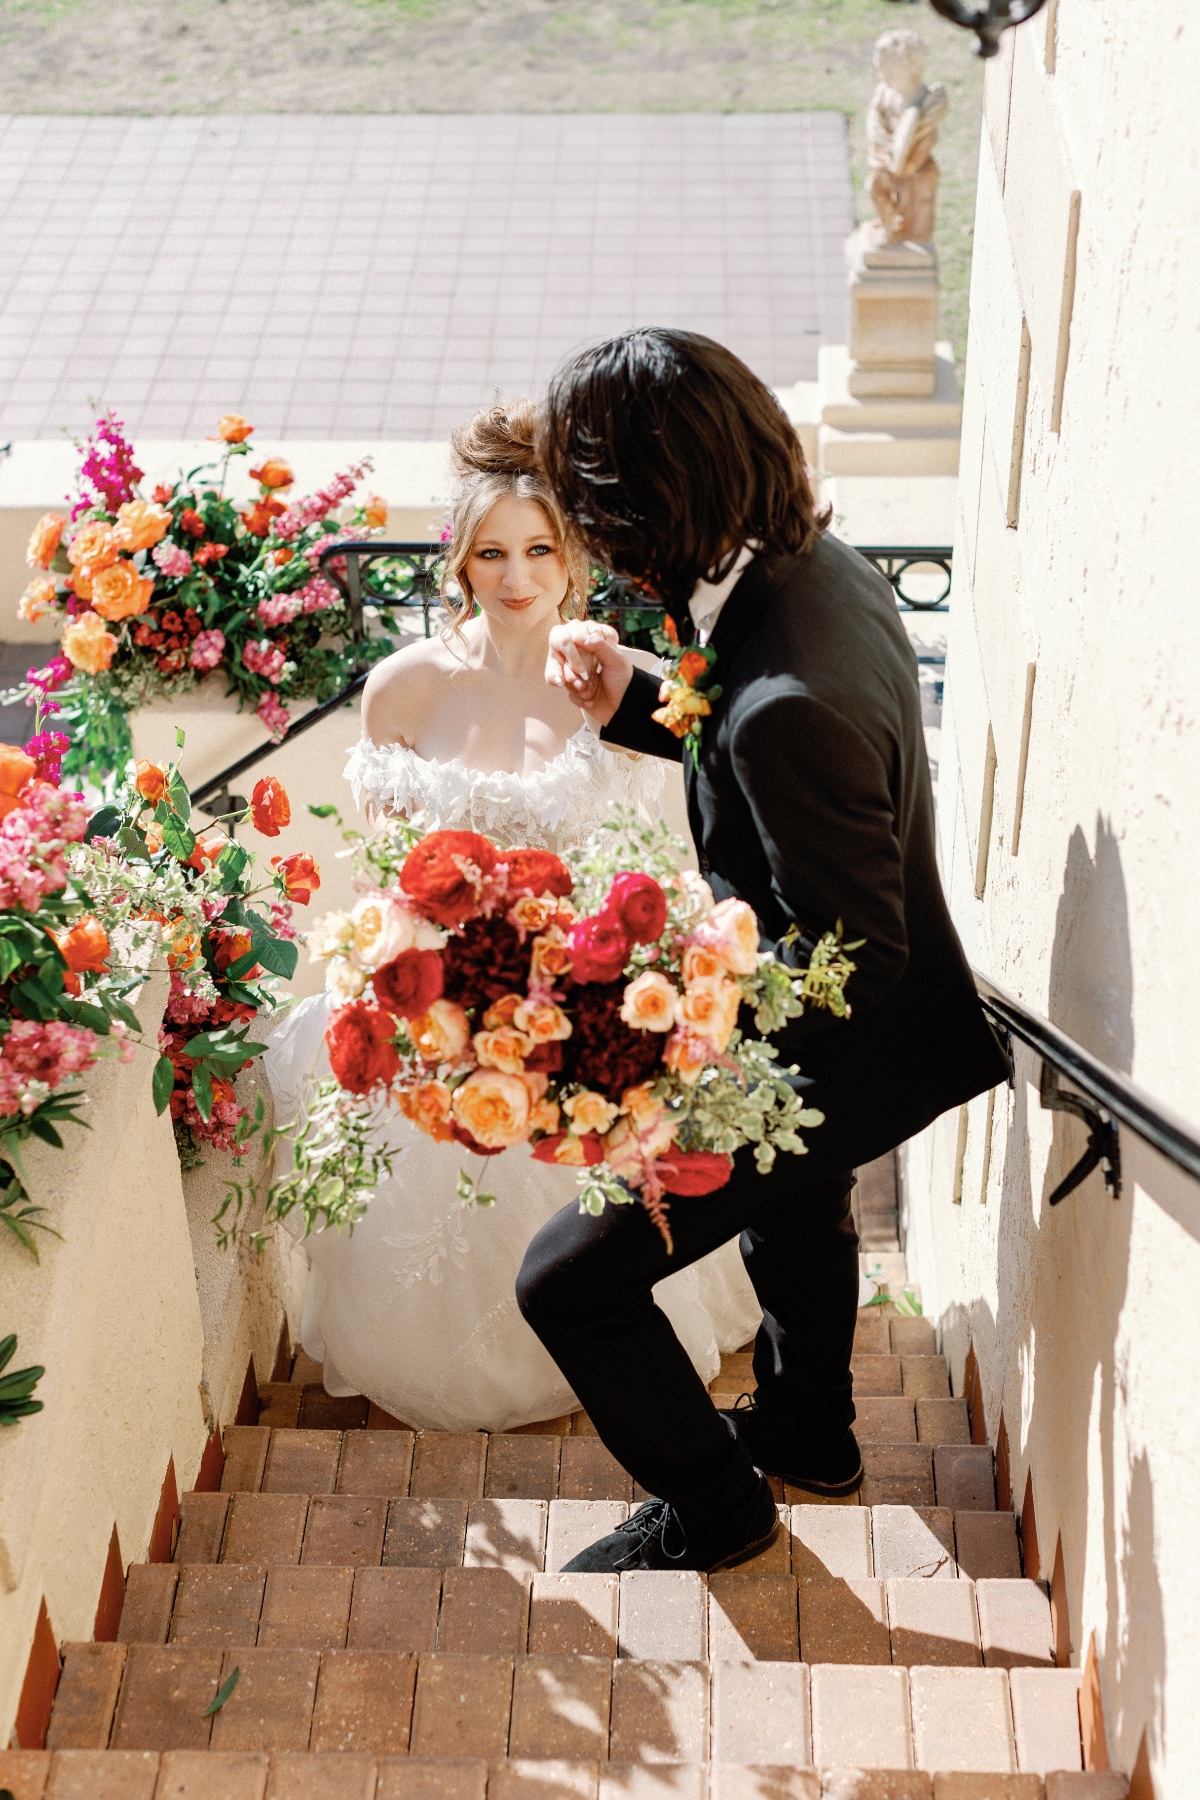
column 494, row 455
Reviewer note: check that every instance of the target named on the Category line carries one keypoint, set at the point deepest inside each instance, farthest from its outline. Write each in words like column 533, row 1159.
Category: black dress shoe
column 826, row 1466
column 655, row 1538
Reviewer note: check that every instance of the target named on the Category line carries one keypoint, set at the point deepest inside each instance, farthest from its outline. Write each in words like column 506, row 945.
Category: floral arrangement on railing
column 586, row 1008
column 91, row 903
column 155, row 592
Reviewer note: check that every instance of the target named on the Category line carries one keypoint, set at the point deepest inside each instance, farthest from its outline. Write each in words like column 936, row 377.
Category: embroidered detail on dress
column 552, row 809
column 423, row 1254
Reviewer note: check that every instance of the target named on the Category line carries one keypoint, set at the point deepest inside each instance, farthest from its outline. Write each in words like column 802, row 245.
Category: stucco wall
column 1074, row 614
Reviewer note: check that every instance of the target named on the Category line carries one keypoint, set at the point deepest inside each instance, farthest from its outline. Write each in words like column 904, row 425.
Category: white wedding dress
column 415, row 1307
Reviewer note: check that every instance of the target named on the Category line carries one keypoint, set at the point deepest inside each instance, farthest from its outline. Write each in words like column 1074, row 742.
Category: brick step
column 249, row 1775
column 768, row 1616
column 576, row 1708
column 915, row 1452
column 353, row 1531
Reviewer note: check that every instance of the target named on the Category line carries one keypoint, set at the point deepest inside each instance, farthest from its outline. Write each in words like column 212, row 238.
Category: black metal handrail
column 1105, row 1098
column 397, row 574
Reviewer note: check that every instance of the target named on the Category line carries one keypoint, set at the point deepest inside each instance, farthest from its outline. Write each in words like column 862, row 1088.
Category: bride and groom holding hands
column 659, row 455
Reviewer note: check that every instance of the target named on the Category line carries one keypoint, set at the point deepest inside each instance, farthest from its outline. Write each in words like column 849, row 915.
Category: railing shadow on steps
column 375, row 573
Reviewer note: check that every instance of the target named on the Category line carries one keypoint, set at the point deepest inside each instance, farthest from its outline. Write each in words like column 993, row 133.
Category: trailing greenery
column 16, row 1389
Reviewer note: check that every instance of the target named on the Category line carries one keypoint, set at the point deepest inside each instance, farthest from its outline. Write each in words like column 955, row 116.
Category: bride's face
column 516, row 568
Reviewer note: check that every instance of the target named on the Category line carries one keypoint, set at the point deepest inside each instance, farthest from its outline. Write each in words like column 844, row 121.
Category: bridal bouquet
column 587, row 1008
column 154, row 591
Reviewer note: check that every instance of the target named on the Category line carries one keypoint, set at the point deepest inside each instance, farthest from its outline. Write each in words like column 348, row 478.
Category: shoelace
column 654, row 1519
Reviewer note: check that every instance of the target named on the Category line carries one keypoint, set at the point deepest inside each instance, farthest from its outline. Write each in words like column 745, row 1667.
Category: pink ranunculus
column 640, row 904
column 275, row 717
column 264, row 658
column 208, row 647
column 172, row 559
column 599, row 948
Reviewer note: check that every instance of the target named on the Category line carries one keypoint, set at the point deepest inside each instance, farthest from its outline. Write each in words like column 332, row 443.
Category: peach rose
column 493, row 1108
column 37, row 597
column 233, row 428
column 150, row 780
column 86, row 644
column 44, row 540
column 701, row 964
column 376, row 511
column 183, row 944
column 94, row 547
column 731, row 929
column 428, row 1106
column 442, row 1034
column 141, row 524
column 16, row 772
column 544, row 1115
column 551, row 958
column 501, row 1011
column 710, row 1011
column 573, row 1153
column 273, row 473
column 383, row 928
column 533, row 914
column 589, row 1111
column 119, row 592
column 649, row 1002
column 642, row 1106
column 544, row 1023
column 623, row 1151
column 686, row 1056
column 538, row 1083
column 504, row 1048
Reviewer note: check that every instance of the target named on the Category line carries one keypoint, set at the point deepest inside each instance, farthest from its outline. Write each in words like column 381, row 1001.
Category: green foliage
column 222, row 1694
column 16, row 1389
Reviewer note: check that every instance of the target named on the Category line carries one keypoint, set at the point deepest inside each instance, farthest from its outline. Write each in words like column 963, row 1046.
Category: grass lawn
column 198, row 56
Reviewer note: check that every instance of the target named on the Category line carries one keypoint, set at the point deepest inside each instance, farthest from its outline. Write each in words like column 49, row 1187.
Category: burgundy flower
column 603, row 1052
column 484, row 961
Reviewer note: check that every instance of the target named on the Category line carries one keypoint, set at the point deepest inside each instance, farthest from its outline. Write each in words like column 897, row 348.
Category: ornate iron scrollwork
column 1104, row 1143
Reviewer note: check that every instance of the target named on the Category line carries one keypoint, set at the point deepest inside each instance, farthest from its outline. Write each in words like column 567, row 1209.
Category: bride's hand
column 586, row 660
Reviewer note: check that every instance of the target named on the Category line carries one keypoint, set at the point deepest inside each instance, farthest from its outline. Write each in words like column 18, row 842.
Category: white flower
column 330, row 935
column 383, row 928
column 343, row 981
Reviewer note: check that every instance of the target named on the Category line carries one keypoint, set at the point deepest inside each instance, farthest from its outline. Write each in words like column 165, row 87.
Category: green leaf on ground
column 223, row 1692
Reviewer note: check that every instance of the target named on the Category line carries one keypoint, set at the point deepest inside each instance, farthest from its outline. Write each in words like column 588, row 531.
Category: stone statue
column 902, row 127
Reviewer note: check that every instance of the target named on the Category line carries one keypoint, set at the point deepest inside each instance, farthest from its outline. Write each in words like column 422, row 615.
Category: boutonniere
column 687, row 691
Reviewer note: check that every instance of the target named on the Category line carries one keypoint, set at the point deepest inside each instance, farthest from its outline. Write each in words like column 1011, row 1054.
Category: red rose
column 537, row 872
column 360, row 1052
column 693, row 1171
column 599, row 947
column 409, row 985
column 590, row 1144
column 641, row 906
column 440, row 874
column 191, row 522
column 299, row 874
column 270, row 808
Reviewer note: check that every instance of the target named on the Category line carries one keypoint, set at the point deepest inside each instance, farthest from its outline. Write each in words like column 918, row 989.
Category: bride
column 415, row 1307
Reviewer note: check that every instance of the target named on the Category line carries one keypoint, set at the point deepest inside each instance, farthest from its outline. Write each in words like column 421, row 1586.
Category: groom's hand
column 586, row 660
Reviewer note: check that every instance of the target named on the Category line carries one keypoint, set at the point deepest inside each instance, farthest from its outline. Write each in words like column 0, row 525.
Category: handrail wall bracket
column 1104, row 1141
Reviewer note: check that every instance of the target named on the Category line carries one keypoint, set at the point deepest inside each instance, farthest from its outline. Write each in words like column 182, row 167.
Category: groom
column 812, row 801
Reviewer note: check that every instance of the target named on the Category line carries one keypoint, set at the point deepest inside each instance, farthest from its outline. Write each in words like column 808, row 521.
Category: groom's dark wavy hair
column 668, row 453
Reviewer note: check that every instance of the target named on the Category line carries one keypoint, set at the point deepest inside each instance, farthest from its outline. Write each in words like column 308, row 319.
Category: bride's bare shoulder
column 403, row 689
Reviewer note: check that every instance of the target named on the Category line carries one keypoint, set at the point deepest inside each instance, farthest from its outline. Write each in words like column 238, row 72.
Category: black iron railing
column 378, row 574
column 1098, row 1095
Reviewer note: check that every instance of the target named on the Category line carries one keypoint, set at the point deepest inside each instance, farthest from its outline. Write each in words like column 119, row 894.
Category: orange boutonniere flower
column 688, row 692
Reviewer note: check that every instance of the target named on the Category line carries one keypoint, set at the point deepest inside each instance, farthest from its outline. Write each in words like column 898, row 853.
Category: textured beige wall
column 1084, row 1318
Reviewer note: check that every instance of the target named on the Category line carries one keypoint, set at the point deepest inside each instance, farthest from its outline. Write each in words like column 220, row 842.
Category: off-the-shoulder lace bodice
column 558, row 806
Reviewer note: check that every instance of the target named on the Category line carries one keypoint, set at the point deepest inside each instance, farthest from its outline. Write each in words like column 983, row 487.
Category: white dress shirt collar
column 710, row 596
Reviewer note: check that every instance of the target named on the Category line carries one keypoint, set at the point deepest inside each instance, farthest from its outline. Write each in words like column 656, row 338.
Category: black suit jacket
column 813, row 802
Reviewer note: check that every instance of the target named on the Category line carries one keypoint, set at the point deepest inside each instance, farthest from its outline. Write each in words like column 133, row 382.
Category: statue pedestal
column 886, row 434
column 893, row 315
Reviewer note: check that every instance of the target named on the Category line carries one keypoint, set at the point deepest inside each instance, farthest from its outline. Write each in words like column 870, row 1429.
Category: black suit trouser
column 586, row 1289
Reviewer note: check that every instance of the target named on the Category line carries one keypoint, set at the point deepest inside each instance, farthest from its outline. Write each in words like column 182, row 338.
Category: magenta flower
column 108, row 470
column 56, row 674
column 49, row 747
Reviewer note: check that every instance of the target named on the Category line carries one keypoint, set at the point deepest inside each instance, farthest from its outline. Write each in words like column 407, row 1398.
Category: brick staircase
column 393, row 1604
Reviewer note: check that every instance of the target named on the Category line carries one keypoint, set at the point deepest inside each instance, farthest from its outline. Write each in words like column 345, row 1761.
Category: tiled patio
column 341, row 276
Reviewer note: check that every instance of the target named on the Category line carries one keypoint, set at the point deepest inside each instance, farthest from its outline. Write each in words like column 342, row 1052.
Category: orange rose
column 299, row 874
column 493, row 1108
column 649, row 1002
column 589, row 1112
column 150, row 780
column 686, row 1056
column 183, row 944
column 16, row 772
column 84, row 947
column 701, row 964
column 141, row 524
column 233, row 428
column 505, row 1048
column 551, row 956
column 442, row 1034
column 428, row 1106
column 37, row 597
column 273, row 473
column 711, row 1011
column 87, row 645
column 501, row 1011
column 270, row 808
column 692, row 665
column 545, row 1024
column 94, row 547
column 642, row 1106
column 544, row 1115
column 530, row 914
column 44, row 541
column 119, row 592
column 375, row 511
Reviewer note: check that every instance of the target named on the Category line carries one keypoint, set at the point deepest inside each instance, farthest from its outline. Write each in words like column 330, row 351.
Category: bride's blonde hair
column 494, row 455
